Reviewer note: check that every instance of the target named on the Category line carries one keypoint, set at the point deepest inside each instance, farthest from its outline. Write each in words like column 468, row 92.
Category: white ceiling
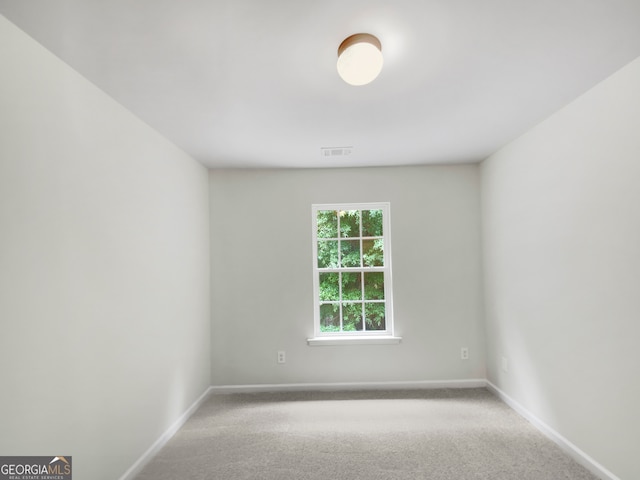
column 253, row 83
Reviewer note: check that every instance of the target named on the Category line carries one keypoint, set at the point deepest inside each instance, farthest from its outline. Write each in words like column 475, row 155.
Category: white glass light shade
column 360, row 59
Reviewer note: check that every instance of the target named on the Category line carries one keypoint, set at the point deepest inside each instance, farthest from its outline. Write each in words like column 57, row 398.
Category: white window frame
column 352, row 337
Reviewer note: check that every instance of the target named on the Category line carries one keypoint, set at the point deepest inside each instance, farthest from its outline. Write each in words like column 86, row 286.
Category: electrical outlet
column 282, row 358
column 464, row 353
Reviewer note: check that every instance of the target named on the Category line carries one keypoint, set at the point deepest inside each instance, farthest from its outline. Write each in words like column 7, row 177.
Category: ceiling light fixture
column 359, row 59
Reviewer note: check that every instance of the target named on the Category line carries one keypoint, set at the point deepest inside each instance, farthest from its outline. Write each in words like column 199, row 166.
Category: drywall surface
column 561, row 236
column 104, row 270
column 262, row 292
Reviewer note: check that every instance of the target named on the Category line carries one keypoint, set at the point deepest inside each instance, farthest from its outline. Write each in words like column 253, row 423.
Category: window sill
column 334, row 341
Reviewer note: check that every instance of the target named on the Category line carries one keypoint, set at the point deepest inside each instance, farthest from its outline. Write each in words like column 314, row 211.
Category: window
column 352, row 270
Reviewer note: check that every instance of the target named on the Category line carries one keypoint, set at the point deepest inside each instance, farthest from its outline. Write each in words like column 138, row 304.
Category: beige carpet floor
column 449, row 434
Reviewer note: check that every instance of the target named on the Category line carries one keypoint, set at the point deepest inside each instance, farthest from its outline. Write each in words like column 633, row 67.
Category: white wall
column 561, row 234
column 104, row 270
column 262, row 293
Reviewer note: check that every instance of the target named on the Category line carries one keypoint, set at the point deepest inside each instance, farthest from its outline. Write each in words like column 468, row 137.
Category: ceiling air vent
column 335, row 151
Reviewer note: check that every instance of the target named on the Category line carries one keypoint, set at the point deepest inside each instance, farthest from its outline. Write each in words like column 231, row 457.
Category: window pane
column 352, row 286
column 372, row 223
column 350, row 223
column 327, row 224
column 373, row 252
column 352, row 317
column 352, row 269
column 374, row 286
column 329, row 287
column 350, row 253
column 330, row 317
column 374, row 314
column 327, row 253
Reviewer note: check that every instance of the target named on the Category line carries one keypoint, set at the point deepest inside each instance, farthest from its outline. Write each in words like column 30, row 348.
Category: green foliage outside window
column 350, row 242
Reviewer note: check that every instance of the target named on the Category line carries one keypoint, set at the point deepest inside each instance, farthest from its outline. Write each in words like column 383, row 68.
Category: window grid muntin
column 362, row 300
column 385, row 269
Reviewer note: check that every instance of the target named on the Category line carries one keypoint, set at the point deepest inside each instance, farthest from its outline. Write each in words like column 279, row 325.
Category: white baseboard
column 328, row 387
column 164, row 438
column 574, row 452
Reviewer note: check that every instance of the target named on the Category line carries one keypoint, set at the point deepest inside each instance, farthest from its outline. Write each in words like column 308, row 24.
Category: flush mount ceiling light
column 359, row 59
